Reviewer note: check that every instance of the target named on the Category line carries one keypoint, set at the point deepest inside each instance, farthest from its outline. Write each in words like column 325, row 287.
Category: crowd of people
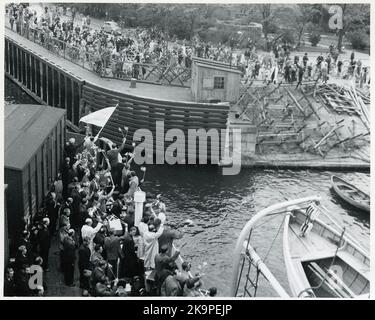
column 124, row 54
column 137, row 53
column 90, row 213
column 282, row 67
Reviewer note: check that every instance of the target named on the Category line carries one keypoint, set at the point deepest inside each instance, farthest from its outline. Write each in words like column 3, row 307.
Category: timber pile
column 344, row 100
column 335, row 90
column 290, row 121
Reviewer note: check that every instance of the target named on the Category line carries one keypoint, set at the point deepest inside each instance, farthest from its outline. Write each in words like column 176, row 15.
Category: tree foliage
column 187, row 20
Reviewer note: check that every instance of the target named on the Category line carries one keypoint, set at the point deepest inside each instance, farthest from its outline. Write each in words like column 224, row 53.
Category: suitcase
column 115, row 224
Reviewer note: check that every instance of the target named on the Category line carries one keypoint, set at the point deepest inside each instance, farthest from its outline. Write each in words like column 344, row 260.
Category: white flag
column 98, row 118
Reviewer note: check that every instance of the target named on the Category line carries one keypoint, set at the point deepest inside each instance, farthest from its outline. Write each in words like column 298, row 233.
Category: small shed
column 33, row 146
column 214, row 81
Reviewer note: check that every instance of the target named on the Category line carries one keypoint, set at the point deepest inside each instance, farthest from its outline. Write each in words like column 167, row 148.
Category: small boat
column 351, row 194
column 321, row 259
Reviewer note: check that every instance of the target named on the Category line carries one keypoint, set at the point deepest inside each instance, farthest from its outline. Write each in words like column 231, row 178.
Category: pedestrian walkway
column 145, row 90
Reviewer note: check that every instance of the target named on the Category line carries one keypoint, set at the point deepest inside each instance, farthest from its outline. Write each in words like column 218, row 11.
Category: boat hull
column 311, row 260
column 343, row 190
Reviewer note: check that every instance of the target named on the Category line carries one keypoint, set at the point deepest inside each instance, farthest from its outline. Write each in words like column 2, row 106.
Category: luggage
column 115, row 224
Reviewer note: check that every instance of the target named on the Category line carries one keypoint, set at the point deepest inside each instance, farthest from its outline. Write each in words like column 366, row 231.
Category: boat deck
column 310, row 247
column 156, row 91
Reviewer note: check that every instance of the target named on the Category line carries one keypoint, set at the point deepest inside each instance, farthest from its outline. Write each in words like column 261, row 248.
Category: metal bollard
column 133, row 83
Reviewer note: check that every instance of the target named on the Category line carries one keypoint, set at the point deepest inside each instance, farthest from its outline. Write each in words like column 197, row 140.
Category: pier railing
column 109, row 65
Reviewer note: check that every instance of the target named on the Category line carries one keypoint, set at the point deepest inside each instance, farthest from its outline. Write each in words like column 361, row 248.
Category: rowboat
column 321, row 259
column 351, row 194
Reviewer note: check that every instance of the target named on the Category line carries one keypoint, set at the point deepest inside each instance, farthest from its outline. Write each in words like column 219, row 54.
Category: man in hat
column 118, row 204
column 52, row 207
column 44, row 241
column 69, row 258
column 67, row 174
column 84, row 264
column 112, row 247
column 63, row 233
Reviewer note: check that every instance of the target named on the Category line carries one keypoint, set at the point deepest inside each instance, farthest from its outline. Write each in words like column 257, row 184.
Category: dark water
column 220, row 206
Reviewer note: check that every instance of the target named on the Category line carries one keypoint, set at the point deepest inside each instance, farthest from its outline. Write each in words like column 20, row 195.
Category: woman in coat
column 130, row 265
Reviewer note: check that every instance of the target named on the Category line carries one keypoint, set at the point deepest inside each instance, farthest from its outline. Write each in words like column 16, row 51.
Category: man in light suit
column 88, row 231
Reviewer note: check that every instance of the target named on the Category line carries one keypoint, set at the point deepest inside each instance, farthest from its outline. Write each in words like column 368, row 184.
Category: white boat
column 351, row 194
column 321, row 259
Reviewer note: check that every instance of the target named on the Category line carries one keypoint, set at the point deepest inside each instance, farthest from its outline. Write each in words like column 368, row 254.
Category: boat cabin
column 214, row 81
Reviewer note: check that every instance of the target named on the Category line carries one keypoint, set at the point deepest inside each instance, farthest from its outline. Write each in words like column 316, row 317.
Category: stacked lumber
column 362, row 107
column 344, row 100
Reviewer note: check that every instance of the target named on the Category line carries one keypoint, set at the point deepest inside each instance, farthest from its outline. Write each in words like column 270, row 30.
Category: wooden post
column 309, row 103
column 296, row 102
column 66, row 93
column 52, row 104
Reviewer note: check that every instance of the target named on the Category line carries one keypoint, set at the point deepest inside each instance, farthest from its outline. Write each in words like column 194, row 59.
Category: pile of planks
column 344, row 100
column 362, row 107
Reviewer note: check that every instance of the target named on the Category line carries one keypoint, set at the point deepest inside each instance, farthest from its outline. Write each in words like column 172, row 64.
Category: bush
column 314, row 38
column 358, row 40
column 272, row 28
column 289, row 36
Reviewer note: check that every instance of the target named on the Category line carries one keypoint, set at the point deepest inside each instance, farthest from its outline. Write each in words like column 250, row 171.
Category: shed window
column 218, row 82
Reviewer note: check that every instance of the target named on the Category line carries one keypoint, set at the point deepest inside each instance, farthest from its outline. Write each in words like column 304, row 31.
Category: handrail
column 249, row 225
column 98, row 63
column 258, row 262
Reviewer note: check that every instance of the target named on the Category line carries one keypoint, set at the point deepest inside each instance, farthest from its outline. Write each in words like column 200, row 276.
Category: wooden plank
column 309, row 104
column 296, row 102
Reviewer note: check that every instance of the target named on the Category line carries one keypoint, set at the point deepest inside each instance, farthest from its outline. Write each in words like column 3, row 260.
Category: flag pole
column 101, row 129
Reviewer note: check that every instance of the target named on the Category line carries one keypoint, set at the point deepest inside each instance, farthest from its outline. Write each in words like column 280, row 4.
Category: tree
column 193, row 14
column 304, row 14
column 266, row 12
column 356, row 17
column 342, row 30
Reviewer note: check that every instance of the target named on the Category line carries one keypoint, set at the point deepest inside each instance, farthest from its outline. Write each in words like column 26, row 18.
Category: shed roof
column 218, row 68
column 25, row 129
column 206, row 63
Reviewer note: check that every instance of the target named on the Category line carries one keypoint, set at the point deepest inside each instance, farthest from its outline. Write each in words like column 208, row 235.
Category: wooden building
column 213, row 81
column 33, row 146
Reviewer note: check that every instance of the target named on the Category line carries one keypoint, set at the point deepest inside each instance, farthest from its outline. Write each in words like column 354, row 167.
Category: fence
column 108, row 66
